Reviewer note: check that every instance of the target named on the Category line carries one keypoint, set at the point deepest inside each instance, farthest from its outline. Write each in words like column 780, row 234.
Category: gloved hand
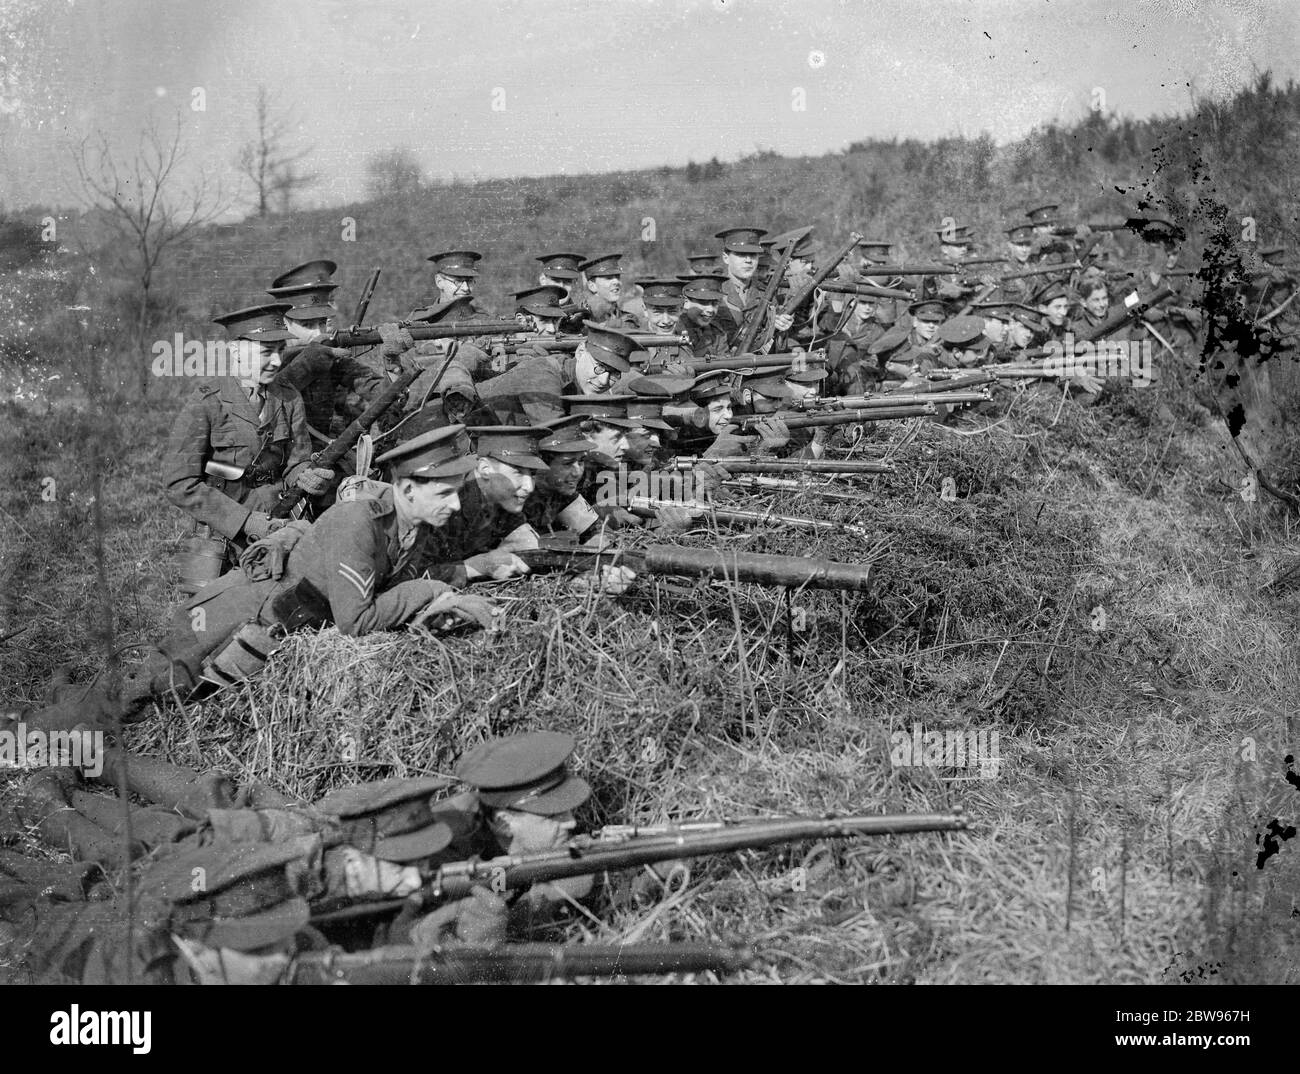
column 609, row 580
column 782, row 322
column 259, row 524
column 456, row 405
column 315, row 480
column 456, row 605
column 709, row 476
column 674, row 519
column 396, row 339
column 498, row 566
column 772, row 432
column 478, row 920
column 267, row 558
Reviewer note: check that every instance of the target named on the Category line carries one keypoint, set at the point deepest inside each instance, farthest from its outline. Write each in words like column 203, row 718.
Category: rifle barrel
column 368, row 337
column 513, row 963
column 781, row 466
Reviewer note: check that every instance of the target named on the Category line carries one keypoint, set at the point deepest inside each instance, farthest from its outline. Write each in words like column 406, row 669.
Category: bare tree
column 394, row 173
column 269, row 161
column 141, row 199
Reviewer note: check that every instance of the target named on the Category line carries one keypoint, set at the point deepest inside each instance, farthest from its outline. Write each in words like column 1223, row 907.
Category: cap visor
column 411, row 846
column 653, row 423
column 268, row 335
column 520, row 461
column 562, row 799
column 446, row 470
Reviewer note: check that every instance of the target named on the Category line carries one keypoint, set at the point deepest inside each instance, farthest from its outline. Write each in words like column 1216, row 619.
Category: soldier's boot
column 45, row 803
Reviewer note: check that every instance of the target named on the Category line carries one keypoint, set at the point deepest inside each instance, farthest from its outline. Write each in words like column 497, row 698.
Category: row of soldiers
column 499, row 441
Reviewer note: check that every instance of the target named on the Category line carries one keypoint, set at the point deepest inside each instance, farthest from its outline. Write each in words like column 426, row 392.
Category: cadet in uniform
column 354, row 568
column 531, row 391
column 701, row 296
column 740, row 294
column 604, row 284
column 237, row 444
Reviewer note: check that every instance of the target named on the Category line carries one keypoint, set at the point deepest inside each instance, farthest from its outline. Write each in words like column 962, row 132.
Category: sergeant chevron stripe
column 364, row 583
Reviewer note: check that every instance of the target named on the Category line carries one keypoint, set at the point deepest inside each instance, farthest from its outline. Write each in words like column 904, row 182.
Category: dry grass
column 692, row 700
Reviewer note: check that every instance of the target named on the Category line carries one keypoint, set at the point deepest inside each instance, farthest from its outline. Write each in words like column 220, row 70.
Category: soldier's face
column 607, row 287
column 306, row 331
column 995, row 330
column 661, row 319
column 1019, row 251
column 564, row 472
column 551, row 281
column 610, row 440
column 952, row 253
column 799, row 390
column 546, row 326
column 1097, row 302
column 719, row 413
column 527, row 833
column 741, row 266
column 450, row 287
column 430, row 502
column 256, row 363
column 1056, row 310
column 864, row 309
column 702, row 312
column 925, row 330
column 1042, row 229
column 590, row 377
column 798, row 266
column 504, row 485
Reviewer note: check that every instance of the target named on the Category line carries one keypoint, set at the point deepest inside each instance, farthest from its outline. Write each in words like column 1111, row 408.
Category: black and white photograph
column 651, row 492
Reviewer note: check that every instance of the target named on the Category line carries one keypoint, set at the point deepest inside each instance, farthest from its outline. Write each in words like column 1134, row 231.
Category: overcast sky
column 596, row 85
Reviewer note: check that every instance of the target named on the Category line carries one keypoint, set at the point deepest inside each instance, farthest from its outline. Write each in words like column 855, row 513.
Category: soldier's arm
column 188, row 451
column 300, row 448
column 349, row 536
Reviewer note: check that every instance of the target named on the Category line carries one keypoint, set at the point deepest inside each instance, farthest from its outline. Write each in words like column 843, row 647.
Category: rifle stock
column 755, row 319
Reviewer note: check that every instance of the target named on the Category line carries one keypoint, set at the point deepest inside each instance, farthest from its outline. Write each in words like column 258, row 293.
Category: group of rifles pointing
column 366, row 477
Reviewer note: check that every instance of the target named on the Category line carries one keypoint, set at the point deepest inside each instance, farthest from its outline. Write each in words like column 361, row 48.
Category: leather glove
column 674, row 519
column 456, row 405
column 396, row 339
column 709, row 476
column 266, row 558
column 315, row 480
column 772, row 432
column 478, row 920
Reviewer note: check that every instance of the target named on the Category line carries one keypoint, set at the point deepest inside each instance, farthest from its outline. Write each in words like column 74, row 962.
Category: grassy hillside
column 1143, row 749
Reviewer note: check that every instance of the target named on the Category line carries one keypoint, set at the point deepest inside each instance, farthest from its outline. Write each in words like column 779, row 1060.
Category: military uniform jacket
column 219, row 424
column 317, row 372
column 529, row 392
column 704, row 341
column 733, row 310
column 351, row 556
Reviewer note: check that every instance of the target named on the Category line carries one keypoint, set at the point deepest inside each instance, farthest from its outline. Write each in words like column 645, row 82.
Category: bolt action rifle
column 587, row 857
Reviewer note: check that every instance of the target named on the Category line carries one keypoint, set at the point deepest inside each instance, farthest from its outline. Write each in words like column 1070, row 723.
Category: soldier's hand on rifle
column 497, row 565
column 478, row 920
column 609, row 580
column 457, row 605
column 259, row 524
column 782, row 322
column 772, row 432
column 315, row 480
column 619, row 517
column 709, row 476
column 675, row 519
column 395, row 339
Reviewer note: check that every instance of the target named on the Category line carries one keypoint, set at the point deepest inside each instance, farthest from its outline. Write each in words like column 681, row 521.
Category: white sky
column 597, row 85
